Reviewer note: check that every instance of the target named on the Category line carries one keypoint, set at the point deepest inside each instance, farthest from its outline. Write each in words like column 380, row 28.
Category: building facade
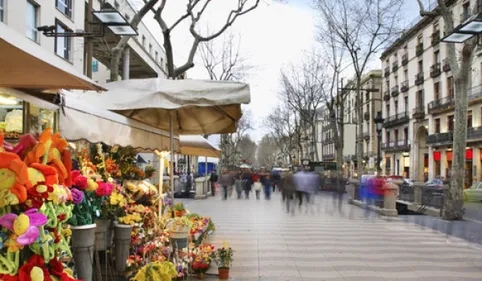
column 418, row 104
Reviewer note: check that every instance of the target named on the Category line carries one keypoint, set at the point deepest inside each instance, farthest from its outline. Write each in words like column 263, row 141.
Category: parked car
column 408, row 182
column 474, row 193
column 434, row 183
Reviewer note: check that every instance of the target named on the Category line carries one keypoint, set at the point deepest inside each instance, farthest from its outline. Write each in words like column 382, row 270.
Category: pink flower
column 78, row 180
column 25, row 226
column 104, row 189
column 77, row 196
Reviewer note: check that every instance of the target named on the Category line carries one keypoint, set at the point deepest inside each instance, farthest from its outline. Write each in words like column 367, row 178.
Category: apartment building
column 418, row 104
column 24, row 16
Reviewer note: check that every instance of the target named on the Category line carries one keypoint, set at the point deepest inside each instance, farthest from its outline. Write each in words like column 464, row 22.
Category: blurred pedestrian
column 266, row 181
column 212, row 180
column 288, row 189
column 257, row 186
column 239, row 186
column 226, row 181
column 248, row 182
column 338, row 192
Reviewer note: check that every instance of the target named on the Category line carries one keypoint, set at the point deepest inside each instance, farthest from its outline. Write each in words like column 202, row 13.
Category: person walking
column 257, row 186
column 239, row 184
column 226, row 181
column 288, row 189
column 267, row 183
column 212, row 180
column 248, row 182
column 276, row 177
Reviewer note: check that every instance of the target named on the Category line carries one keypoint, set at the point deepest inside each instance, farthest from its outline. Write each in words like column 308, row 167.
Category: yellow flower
column 67, row 232
column 7, row 198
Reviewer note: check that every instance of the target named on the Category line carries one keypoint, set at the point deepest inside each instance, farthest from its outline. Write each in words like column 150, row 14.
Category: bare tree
column 303, row 91
column 247, row 149
column 267, row 152
column 194, row 12
column 460, row 61
column 363, row 28
column 230, row 143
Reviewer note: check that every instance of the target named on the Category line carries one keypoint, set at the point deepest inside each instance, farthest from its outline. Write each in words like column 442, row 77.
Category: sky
column 275, row 35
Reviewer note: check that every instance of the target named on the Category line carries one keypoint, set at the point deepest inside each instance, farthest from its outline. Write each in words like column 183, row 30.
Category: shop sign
column 437, row 155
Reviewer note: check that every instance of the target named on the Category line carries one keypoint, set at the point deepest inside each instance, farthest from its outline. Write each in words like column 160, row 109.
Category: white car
column 474, row 193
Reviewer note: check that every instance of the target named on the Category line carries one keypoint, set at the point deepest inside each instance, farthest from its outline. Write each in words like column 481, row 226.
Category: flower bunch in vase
column 203, row 256
column 179, row 210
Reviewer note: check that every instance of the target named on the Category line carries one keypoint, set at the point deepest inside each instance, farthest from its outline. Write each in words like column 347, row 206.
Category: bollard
column 83, row 240
column 390, row 200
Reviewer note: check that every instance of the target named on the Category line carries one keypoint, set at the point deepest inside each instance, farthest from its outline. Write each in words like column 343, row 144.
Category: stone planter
column 103, row 234
column 83, row 241
column 122, row 240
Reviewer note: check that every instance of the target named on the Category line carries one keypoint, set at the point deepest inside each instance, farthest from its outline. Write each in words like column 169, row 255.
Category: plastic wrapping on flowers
column 35, row 203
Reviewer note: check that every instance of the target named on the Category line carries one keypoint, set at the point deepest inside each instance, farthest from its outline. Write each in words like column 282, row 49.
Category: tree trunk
column 313, row 142
column 359, row 141
column 115, row 64
column 453, row 202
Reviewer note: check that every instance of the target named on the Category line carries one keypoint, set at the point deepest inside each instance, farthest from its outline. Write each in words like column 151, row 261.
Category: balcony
column 387, row 71
column 366, row 116
column 386, row 96
column 435, row 70
column 419, row 79
column 419, row 49
column 445, row 65
column 441, row 105
column 418, row 112
column 404, row 87
column 395, row 66
column 404, row 59
column 435, row 38
column 440, row 138
column 474, row 133
column 328, row 157
column 475, row 95
column 395, row 91
column 395, row 120
column 396, row 146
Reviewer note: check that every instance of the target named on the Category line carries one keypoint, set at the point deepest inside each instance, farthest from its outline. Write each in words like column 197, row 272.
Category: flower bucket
column 223, row 273
column 83, row 240
column 179, row 239
column 103, row 234
column 122, row 240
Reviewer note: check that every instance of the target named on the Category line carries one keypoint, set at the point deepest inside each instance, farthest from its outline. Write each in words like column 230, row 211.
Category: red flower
column 57, row 269
column 5, row 277
column 26, row 269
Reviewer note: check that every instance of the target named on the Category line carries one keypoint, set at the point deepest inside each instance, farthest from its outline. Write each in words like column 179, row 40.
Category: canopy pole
column 206, row 174
column 171, row 165
column 161, row 179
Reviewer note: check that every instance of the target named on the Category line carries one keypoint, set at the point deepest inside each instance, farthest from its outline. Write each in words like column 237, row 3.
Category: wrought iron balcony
column 395, row 91
column 435, row 70
column 386, row 95
column 474, row 133
column 395, row 120
column 387, row 71
column 396, row 146
column 366, row 116
column 328, row 157
column 404, row 86
column 440, row 138
column 440, row 105
column 419, row 49
column 419, row 79
column 395, row 66
column 404, row 59
column 435, row 38
column 475, row 95
column 418, row 112
column 445, row 65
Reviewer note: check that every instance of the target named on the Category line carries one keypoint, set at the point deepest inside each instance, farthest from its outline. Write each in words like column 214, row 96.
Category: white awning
column 26, row 65
column 198, row 146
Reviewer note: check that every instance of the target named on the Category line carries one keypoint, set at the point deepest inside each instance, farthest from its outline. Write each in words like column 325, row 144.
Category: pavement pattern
column 319, row 243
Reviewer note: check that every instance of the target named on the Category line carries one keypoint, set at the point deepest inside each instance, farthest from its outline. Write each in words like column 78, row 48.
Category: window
column 2, row 8
column 143, row 40
column 95, row 66
column 388, row 136
column 32, row 20
column 367, row 96
column 436, row 28
column 420, row 39
column 436, row 56
column 405, row 104
column 469, row 119
column 396, row 135
column 420, row 98
column 420, row 66
column 156, row 55
column 116, row 5
column 396, row 107
column 405, row 134
column 396, row 80
column 437, row 125
column 150, row 48
column 64, row 6
column 466, row 12
column 436, row 91
column 405, row 75
column 62, row 44
column 127, row 17
column 450, row 87
column 388, row 109
column 450, row 123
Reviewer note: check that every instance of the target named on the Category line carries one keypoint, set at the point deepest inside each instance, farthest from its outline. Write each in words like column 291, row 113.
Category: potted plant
column 223, row 258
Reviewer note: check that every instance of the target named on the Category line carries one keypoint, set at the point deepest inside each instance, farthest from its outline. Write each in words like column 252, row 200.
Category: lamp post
column 466, row 30
column 379, row 126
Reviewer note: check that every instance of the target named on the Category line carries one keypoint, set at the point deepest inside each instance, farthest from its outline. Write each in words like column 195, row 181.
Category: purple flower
column 77, row 195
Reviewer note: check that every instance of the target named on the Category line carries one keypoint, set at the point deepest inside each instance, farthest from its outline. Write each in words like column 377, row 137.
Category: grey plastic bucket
column 122, row 240
column 83, row 240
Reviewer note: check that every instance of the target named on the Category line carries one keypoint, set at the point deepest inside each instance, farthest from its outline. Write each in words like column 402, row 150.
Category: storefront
column 469, row 175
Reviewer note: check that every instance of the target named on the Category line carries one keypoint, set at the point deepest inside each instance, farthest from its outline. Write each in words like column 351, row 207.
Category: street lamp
column 379, row 126
column 466, row 30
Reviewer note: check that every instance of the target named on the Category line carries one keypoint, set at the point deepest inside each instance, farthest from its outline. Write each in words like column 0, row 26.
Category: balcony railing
column 446, row 65
column 440, row 138
column 419, row 79
column 328, row 157
column 441, row 105
column 404, row 59
column 419, row 49
column 475, row 94
column 397, row 119
column 435, row 70
column 396, row 146
column 395, row 66
column 404, row 86
column 366, row 116
column 418, row 112
column 387, row 71
column 386, row 95
column 395, row 91
column 474, row 133
column 435, row 38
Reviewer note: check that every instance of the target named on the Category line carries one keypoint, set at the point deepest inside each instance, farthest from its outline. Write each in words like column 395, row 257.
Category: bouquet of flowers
column 161, row 271
column 203, row 256
column 134, row 263
column 179, row 209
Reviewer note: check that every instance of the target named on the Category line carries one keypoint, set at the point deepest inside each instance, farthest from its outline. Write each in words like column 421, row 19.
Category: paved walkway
column 320, row 244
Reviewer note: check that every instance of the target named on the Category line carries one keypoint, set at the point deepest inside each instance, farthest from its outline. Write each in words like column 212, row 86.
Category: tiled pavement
column 320, row 244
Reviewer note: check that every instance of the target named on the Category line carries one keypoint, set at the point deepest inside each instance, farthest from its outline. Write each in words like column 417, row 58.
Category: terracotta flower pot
column 223, row 273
